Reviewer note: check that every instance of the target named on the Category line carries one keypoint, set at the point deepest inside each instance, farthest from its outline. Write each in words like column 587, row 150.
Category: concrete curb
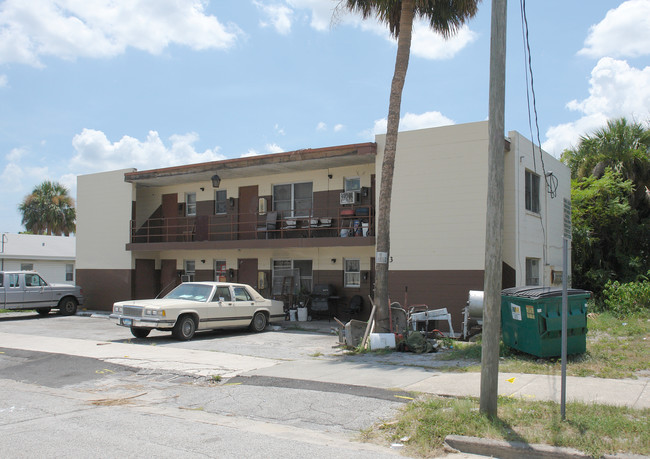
column 516, row 450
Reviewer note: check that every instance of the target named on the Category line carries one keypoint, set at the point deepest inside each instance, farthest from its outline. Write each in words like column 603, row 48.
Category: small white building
column 53, row 257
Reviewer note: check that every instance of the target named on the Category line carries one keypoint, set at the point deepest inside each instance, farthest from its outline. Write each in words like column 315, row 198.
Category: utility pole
column 494, row 216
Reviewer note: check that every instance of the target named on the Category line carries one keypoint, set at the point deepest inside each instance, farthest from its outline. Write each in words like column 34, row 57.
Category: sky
column 96, row 85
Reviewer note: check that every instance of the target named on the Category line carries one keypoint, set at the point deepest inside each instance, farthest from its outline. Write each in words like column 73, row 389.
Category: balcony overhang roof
column 255, row 166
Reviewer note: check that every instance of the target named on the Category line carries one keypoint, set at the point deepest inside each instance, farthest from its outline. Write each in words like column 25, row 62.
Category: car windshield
column 192, row 292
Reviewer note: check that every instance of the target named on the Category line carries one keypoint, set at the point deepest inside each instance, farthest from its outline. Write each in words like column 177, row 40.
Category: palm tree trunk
column 388, row 166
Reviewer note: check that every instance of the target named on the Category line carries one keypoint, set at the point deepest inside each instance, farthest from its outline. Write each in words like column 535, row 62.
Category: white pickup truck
column 21, row 290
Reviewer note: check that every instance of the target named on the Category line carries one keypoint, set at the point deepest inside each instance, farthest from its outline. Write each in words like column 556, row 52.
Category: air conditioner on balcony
column 349, row 197
column 187, row 278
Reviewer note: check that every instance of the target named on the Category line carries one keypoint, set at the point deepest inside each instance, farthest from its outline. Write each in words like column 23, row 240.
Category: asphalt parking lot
column 290, row 341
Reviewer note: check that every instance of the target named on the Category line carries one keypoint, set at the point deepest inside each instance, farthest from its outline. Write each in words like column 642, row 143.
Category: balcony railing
column 338, row 222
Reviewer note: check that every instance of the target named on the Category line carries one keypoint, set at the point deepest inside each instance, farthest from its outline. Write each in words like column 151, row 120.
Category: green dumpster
column 531, row 320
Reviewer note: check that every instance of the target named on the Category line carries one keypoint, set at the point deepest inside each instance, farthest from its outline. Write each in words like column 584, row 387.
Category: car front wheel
column 258, row 324
column 68, row 306
column 184, row 328
column 140, row 332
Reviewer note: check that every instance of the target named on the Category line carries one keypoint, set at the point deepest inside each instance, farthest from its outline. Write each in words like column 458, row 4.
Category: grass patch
column 316, row 354
column 594, row 429
column 616, row 348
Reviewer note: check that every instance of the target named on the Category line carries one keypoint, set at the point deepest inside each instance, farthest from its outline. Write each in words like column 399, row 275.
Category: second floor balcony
column 347, row 226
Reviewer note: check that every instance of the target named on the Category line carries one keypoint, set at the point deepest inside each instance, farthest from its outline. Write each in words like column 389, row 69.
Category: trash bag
column 416, row 342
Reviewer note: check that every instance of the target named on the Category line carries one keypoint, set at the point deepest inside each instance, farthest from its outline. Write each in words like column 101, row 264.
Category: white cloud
column 278, row 129
column 68, row 29
column 94, row 152
column 624, row 32
column 616, row 89
column 16, row 154
column 4, row 81
column 411, row 121
column 338, row 127
column 268, row 149
column 430, row 45
column 321, row 126
column 279, row 17
column 274, row 148
column 321, row 12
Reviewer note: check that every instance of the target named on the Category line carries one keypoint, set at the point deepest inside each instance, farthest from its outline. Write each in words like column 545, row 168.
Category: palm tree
column 621, row 146
column 49, row 210
column 445, row 17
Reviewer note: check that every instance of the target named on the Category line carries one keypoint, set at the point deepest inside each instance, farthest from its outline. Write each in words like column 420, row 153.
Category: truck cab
column 26, row 290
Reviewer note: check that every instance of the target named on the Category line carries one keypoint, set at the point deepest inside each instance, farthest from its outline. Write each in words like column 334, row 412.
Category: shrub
column 627, row 298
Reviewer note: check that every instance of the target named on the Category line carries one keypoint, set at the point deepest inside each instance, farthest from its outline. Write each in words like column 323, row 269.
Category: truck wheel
column 184, row 328
column 68, row 306
column 140, row 332
column 43, row 311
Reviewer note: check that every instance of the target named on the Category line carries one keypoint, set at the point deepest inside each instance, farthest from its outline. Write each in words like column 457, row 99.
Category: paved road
column 62, row 404
column 54, row 405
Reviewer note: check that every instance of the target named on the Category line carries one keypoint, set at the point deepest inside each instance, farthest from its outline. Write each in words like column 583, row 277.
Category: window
column 293, row 200
column 532, row 192
column 27, row 266
column 220, row 271
column 34, row 280
column 190, row 204
column 352, row 273
column 69, row 273
column 220, row 198
column 14, row 280
column 301, row 271
column 351, row 184
column 241, row 294
column 222, row 294
column 189, row 270
column 532, row 271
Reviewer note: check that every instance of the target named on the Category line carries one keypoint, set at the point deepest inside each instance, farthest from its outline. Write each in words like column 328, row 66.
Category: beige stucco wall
column 439, row 197
column 539, row 235
column 103, row 216
column 320, row 256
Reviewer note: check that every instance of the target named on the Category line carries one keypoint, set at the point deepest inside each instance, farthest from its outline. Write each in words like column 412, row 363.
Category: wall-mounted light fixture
column 333, row 260
column 203, row 261
column 329, row 176
column 216, row 180
column 202, row 189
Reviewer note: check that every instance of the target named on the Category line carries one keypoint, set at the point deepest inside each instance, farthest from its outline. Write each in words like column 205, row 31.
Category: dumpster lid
column 541, row 292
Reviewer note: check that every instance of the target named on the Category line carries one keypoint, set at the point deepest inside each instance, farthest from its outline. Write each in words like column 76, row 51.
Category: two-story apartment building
column 288, row 222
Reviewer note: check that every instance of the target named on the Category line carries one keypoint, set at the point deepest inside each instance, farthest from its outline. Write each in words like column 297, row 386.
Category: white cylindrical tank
column 475, row 304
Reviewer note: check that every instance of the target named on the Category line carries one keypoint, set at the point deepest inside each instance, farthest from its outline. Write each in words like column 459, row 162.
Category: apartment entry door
column 247, row 271
column 248, row 202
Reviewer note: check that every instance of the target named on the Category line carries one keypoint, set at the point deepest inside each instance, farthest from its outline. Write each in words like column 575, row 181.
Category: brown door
column 248, row 201
column 247, row 271
column 168, row 276
column 145, row 279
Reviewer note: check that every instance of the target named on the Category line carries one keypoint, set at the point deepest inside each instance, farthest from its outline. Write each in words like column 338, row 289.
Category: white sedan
column 193, row 306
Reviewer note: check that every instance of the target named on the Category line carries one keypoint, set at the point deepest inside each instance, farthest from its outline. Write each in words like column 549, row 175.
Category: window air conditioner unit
column 187, row 278
column 349, row 197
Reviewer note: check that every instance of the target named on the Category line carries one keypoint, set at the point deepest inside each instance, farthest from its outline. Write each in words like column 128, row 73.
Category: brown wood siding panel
column 202, row 275
column 103, row 287
column 436, row 289
column 168, row 276
column 147, row 280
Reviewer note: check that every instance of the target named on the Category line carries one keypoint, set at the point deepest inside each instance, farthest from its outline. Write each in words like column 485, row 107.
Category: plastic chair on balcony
column 271, row 225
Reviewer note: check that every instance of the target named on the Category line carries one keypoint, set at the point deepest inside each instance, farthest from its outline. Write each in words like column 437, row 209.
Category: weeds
column 594, row 429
